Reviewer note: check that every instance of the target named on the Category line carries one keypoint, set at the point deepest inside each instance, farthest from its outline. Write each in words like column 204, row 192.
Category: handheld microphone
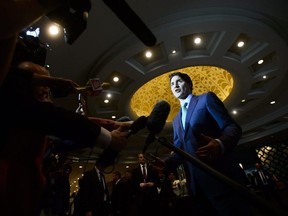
column 156, row 121
column 108, row 156
column 137, row 125
column 157, row 118
column 93, row 85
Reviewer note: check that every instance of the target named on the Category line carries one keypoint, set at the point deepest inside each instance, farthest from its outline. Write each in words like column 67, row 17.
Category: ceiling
column 107, row 48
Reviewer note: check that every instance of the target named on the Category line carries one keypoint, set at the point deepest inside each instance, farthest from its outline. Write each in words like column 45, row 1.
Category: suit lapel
column 190, row 111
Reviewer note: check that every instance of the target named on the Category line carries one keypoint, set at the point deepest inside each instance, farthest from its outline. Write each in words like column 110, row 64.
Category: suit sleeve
column 230, row 131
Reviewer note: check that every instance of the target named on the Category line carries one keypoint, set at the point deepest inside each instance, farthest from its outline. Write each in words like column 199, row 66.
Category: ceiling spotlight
column 272, row 102
column 148, row 54
column 173, row 51
column 115, row 79
column 108, row 95
column 240, row 44
column 260, row 61
column 234, row 112
column 106, row 101
column 197, row 40
column 54, row 29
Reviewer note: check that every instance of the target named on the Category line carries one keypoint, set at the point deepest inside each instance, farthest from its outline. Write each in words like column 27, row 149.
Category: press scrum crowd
column 31, row 125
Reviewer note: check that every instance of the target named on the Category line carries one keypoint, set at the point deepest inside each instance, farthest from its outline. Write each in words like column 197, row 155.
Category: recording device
column 124, row 12
column 72, row 15
column 137, row 125
column 93, row 87
column 156, row 121
column 108, row 156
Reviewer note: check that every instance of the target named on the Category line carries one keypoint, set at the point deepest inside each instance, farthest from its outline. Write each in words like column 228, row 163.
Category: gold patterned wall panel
column 204, row 78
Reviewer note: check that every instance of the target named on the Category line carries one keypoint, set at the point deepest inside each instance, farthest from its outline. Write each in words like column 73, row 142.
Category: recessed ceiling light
column 148, row 54
column 240, row 44
column 106, row 101
column 173, row 51
column 264, row 76
column 272, row 102
column 115, row 79
column 197, row 40
column 260, row 61
column 53, row 30
column 234, row 112
column 109, row 95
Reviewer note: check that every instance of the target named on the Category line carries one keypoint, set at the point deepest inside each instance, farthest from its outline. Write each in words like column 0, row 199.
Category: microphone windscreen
column 123, row 119
column 157, row 118
column 138, row 124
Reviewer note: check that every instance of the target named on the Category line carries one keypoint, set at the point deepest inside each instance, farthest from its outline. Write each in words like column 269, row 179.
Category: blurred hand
column 110, row 124
column 61, row 87
column 119, row 138
column 210, row 151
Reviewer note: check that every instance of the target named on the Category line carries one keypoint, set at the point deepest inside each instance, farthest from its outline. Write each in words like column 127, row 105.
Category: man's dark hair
column 184, row 77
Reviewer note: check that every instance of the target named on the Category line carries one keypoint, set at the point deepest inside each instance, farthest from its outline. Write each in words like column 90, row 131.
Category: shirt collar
column 186, row 100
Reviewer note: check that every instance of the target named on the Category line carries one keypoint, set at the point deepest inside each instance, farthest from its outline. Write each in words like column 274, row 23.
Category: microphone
column 156, row 121
column 93, row 86
column 108, row 156
column 137, row 125
column 157, row 118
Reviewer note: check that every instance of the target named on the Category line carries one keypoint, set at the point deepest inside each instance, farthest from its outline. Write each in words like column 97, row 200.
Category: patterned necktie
column 184, row 112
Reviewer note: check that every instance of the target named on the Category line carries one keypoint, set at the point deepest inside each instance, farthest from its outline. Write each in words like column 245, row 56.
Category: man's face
column 141, row 158
column 179, row 87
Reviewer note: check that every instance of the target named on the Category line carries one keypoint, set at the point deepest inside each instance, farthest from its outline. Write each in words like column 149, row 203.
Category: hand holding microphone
column 61, row 87
column 93, row 87
column 154, row 122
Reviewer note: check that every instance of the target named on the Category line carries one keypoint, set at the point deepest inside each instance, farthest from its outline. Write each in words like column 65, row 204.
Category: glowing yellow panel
column 204, row 78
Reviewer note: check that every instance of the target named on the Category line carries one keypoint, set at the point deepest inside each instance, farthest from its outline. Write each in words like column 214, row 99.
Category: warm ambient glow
column 205, row 78
column 54, row 30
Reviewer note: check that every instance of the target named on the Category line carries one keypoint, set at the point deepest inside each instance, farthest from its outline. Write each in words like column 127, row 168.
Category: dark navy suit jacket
column 206, row 115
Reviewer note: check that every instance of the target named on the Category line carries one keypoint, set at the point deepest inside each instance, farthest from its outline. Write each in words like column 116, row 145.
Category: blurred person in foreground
column 28, row 117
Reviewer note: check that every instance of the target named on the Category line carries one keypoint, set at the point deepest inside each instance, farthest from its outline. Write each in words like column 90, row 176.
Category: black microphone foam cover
column 157, row 118
column 137, row 125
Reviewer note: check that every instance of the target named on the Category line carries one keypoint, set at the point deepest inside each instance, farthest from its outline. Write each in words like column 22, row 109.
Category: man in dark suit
column 265, row 185
column 146, row 180
column 204, row 129
column 94, row 199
